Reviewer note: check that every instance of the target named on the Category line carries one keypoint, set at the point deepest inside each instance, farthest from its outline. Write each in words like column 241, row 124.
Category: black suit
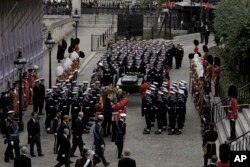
column 21, row 161
column 36, row 97
column 42, row 97
column 62, row 126
column 34, row 136
column 64, row 152
column 126, row 162
column 77, row 136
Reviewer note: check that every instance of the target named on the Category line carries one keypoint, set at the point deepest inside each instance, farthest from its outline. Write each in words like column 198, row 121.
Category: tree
column 231, row 21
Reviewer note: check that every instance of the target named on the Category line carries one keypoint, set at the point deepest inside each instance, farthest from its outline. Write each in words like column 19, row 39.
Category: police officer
column 120, row 133
column 12, row 137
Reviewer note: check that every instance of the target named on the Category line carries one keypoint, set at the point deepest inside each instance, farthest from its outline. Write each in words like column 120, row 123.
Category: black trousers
column 106, row 125
column 77, row 142
column 48, row 121
column 9, row 150
column 172, row 119
column 41, row 104
column 35, row 106
column 35, row 141
column 113, row 137
column 119, row 143
column 232, row 127
column 148, row 120
column 159, row 119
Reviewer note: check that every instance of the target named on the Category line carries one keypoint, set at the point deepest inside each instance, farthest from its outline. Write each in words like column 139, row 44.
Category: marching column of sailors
column 166, row 105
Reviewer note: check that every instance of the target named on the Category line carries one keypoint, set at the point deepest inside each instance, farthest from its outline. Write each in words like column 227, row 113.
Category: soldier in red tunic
column 196, row 44
column 145, row 86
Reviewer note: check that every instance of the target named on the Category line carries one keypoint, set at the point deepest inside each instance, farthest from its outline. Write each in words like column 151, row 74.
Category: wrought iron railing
column 241, row 143
column 219, row 112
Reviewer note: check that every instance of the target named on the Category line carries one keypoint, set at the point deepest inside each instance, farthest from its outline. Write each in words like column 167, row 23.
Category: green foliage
column 228, row 75
column 232, row 24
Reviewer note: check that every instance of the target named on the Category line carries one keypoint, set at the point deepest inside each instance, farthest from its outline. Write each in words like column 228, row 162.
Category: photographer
column 34, row 134
column 12, row 137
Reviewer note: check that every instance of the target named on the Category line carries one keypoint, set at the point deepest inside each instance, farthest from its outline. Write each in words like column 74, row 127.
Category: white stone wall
column 20, row 26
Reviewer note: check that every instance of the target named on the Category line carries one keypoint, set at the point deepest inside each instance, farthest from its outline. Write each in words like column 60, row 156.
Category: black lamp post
column 76, row 18
column 20, row 63
column 49, row 43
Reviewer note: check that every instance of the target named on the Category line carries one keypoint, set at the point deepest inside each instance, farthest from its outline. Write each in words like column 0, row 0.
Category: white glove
column 102, row 146
column 55, row 134
column 12, row 143
column 63, row 155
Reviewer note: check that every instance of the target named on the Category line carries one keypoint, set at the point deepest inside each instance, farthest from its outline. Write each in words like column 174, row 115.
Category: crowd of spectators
column 57, row 8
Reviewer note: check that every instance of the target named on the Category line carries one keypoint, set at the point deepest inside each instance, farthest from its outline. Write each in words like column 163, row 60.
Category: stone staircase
column 242, row 124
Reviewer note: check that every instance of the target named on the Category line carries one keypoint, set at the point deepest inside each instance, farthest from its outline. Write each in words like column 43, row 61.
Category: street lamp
column 76, row 18
column 49, row 43
column 20, row 63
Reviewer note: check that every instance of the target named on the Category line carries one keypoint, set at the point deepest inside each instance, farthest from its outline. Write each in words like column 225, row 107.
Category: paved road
column 148, row 150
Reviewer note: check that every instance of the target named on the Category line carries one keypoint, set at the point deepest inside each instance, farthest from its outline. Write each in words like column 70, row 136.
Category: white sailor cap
column 67, row 80
column 37, row 80
column 85, row 82
column 62, row 92
column 165, row 90
column 58, row 84
column 181, row 92
column 100, row 117
column 85, row 93
column 47, row 90
column 123, row 115
column 41, row 79
column 182, row 88
column 183, row 81
column 10, row 112
column 160, row 93
column 74, row 82
column 172, row 92
column 174, row 82
column 148, row 92
column 151, row 88
column 35, row 67
column 74, row 93
column 165, row 82
column 97, row 82
column 155, row 83
column 54, row 87
column 182, row 84
column 174, row 85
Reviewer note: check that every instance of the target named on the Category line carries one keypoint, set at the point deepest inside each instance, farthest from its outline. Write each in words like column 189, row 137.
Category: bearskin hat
column 217, row 61
column 70, row 49
column 196, row 42
column 210, row 59
column 82, row 54
column 191, row 56
column 205, row 48
column 224, row 153
column 77, row 41
column 232, row 91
